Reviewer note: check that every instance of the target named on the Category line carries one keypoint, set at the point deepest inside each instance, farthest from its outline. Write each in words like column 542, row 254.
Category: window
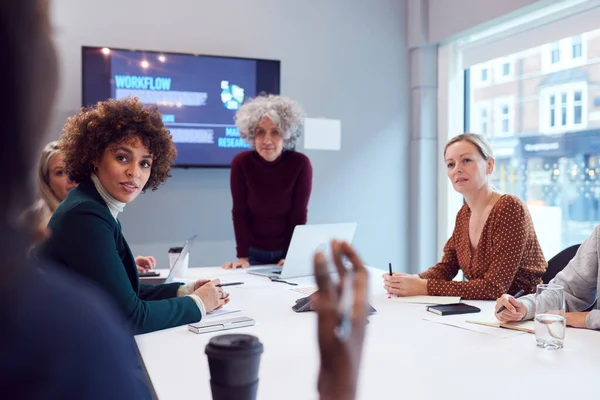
column 503, row 116
column 554, row 53
column 565, row 53
column 481, row 75
column 576, row 47
column 543, row 131
column 563, row 108
column 504, row 69
column 577, row 107
column 481, row 119
column 484, row 121
column 484, row 74
column 552, row 110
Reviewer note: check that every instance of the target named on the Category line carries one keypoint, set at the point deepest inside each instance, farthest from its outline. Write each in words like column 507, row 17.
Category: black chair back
column 559, row 262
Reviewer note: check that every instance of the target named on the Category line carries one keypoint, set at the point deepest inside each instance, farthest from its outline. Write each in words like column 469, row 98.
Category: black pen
column 516, row 296
column 390, row 265
column 229, row 284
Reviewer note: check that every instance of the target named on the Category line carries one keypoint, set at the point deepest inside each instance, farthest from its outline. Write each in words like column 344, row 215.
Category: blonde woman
column 493, row 242
column 54, row 185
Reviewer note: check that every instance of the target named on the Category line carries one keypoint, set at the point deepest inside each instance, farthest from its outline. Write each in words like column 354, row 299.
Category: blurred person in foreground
column 59, row 338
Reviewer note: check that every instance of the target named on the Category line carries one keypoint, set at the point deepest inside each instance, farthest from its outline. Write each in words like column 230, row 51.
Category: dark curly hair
column 88, row 133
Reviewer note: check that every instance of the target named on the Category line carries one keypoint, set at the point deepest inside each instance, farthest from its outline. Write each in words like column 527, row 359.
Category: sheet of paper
column 428, row 299
column 322, row 134
column 463, row 324
column 305, row 290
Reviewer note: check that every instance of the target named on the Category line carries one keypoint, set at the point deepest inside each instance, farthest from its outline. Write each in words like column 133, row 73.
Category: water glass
column 550, row 321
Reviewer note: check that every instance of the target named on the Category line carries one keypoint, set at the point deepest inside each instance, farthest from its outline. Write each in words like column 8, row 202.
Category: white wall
column 343, row 59
column 448, row 18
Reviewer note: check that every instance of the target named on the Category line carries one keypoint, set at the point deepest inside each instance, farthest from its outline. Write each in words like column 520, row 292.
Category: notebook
column 523, row 326
column 452, row 309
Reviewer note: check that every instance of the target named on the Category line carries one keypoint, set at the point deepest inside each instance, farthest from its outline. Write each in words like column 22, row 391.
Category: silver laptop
column 306, row 240
column 180, row 267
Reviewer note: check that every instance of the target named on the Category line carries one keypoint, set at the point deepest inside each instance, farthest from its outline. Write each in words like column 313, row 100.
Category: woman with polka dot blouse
column 493, row 242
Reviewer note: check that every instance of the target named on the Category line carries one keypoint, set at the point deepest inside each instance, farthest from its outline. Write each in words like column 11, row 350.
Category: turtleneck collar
column 270, row 164
column 114, row 205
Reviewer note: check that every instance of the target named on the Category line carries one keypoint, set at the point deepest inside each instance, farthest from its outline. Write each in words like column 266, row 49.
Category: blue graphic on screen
column 197, row 95
column 232, row 96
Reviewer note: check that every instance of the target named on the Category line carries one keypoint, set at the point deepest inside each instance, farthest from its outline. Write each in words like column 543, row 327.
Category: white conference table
column 404, row 356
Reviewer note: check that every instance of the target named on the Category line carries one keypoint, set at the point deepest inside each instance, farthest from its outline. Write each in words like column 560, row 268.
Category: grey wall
column 343, row 59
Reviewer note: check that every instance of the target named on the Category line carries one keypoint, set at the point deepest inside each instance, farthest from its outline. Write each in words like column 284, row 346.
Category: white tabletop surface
column 405, row 356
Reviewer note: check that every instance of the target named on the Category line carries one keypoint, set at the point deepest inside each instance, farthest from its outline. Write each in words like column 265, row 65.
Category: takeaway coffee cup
column 234, row 361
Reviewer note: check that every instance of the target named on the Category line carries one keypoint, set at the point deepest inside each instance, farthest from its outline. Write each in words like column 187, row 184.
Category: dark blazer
column 61, row 339
column 87, row 240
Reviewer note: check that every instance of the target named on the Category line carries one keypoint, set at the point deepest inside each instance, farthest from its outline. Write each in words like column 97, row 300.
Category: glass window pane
column 543, row 128
column 554, row 53
column 577, row 115
column 576, row 47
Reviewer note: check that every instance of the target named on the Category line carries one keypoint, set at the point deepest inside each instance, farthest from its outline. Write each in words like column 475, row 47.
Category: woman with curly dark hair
column 116, row 150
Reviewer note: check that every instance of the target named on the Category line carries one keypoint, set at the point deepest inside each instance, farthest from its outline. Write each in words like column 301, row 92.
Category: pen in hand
column 229, row 284
column 516, row 296
column 346, row 303
column 390, row 265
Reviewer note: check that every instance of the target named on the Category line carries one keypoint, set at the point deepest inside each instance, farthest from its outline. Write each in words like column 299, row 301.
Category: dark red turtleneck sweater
column 269, row 199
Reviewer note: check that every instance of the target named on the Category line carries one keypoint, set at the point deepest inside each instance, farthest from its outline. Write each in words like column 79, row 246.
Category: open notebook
column 523, row 326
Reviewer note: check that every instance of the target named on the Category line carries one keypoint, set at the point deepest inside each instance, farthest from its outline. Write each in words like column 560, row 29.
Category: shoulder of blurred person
column 62, row 339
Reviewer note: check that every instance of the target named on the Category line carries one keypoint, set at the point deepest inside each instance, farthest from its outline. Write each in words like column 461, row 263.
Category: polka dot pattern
column 508, row 257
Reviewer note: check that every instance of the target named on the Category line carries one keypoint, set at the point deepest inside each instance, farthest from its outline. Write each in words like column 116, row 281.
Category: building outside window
column 544, row 128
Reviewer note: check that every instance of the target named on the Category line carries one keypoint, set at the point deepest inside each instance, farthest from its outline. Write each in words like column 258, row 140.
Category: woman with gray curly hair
column 270, row 184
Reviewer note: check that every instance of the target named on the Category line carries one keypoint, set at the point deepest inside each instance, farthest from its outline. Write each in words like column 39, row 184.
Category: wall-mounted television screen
column 197, row 95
